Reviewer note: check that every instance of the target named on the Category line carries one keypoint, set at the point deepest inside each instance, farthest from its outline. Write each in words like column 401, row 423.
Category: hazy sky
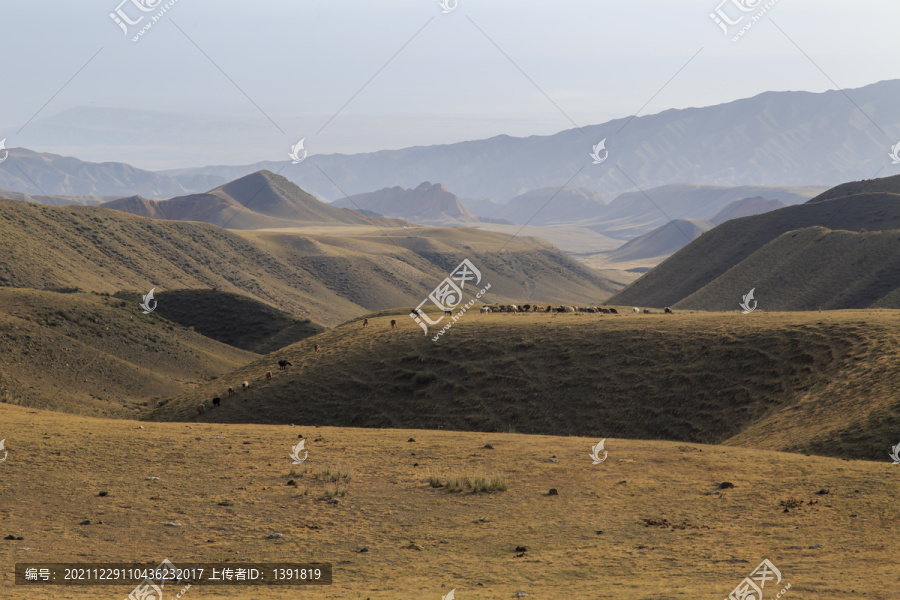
column 301, row 61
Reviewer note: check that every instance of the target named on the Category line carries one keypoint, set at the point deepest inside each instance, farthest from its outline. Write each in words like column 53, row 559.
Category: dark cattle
column 646, row 311
column 365, row 322
column 315, row 347
column 669, row 311
column 605, row 311
column 283, row 364
column 448, row 312
column 217, row 401
column 393, row 323
column 268, row 375
column 549, row 309
column 613, row 311
column 526, row 308
column 230, row 391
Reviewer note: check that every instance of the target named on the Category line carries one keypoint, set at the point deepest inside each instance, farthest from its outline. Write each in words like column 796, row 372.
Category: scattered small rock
column 173, row 524
column 198, row 438
column 814, row 546
column 274, row 536
column 300, row 436
column 141, row 427
column 552, row 460
column 599, row 532
column 488, row 446
column 246, row 443
column 794, row 548
column 291, row 482
column 415, row 464
column 12, row 537
column 621, row 482
column 853, row 516
column 85, row 522
column 332, row 501
column 521, row 549
column 520, row 594
column 444, row 541
column 823, row 491
column 553, row 492
column 225, row 503
column 413, row 546
column 253, row 467
column 153, row 479
column 411, row 440
column 726, row 485
column 363, row 549
column 640, row 547
column 103, row 494
column 218, row 437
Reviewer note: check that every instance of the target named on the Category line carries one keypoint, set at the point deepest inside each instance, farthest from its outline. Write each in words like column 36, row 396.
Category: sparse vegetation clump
column 474, row 483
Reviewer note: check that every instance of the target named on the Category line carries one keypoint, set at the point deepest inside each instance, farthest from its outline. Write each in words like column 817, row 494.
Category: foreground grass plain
column 649, row 523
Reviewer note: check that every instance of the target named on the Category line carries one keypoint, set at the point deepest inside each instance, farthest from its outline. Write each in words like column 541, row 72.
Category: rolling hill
column 653, row 247
column 329, row 274
column 255, row 201
column 546, row 206
column 56, row 200
column 97, row 355
column 723, row 249
column 746, row 208
column 824, row 379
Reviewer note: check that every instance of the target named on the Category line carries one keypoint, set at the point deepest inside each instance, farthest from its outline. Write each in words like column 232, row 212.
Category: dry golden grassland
column 649, row 523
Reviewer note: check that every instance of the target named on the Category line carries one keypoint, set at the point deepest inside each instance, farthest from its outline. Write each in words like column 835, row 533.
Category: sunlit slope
column 648, row 522
column 95, row 355
column 691, row 377
column 329, row 274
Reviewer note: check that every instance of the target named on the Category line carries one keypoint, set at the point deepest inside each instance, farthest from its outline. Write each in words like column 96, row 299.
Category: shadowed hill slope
column 746, row 207
column 688, row 377
column 662, row 241
column 232, row 319
column 725, row 246
column 95, row 355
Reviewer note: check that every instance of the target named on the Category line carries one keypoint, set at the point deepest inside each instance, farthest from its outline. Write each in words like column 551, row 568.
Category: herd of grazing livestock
column 524, row 308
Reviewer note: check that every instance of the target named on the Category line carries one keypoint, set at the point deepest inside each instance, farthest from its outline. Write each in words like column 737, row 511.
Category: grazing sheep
column 201, row 408
column 485, row 310
column 570, row 309
column 230, row 391
column 365, row 323
column 526, row 307
column 283, row 364
column 393, row 323
column 636, row 311
column 605, row 311
column 669, row 311
column 217, row 401
column 268, row 375
column 549, row 309
column 245, row 385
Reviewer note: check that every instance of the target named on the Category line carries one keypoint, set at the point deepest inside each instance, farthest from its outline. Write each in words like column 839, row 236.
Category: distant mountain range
column 427, row 204
column 836, row 251
column 774, row 138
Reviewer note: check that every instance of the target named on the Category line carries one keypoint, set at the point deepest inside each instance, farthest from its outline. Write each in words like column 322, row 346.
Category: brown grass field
column 230, row 493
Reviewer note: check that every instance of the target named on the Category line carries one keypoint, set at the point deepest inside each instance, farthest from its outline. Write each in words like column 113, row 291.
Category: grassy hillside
column 811, row 267
column 96, row 355
column 649, row 522
column 725, row 246
column 235, row 320
column 328, row 274
column 692, row 377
